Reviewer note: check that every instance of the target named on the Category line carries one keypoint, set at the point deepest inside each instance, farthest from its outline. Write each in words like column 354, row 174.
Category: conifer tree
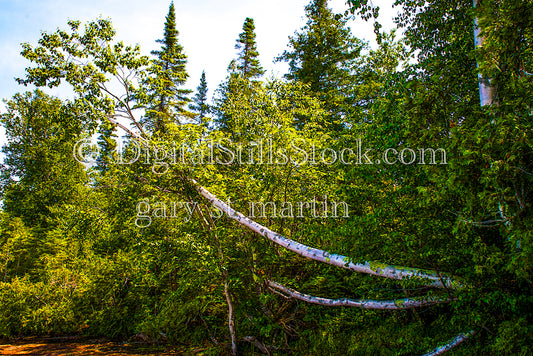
column 323, row 55
column 248, row 62
column 200, row 105
column 107, row 145
column 167, row 100
column 243, row 73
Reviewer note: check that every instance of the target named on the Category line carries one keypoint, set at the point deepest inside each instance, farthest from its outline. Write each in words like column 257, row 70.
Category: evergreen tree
column 468, row 221
column 107, row 145
column 323, row 55
column 248, row 62
column 242, row 75
column 167, row 101
column 200, row 105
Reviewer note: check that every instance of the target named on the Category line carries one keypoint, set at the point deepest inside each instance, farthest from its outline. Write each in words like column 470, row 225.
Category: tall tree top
column 322, row 53
column 170, row 40
column 167, row 101
column 248, row 62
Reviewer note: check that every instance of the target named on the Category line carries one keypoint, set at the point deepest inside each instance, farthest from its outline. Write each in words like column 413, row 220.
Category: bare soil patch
column 63, row 346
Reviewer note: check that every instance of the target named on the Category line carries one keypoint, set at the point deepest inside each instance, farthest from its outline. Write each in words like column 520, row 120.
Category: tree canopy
column 372, row 201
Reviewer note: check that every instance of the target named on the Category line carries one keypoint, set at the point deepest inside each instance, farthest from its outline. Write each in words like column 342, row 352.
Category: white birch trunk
column 405, row 303
column 487, row 90
column 429, row 278
column 451, row 344
column 231, row 321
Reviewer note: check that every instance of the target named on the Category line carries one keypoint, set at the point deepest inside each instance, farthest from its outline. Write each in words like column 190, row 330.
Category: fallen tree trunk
column 405, row 303
column 428, row 278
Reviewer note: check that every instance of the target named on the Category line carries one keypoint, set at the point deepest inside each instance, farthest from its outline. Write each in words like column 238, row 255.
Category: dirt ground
column 63, row 346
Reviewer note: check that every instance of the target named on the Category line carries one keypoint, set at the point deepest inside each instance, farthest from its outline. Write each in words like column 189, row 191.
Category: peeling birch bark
column 451, row 344
column 426, row 277
column 429, row 278
column 406, row 303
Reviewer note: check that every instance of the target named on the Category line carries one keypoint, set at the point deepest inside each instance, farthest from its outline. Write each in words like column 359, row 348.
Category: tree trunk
column 451, row 344
column 427, row 277
column 231, row 320
column 432, row 278
column 406, row 303
column 487, row 90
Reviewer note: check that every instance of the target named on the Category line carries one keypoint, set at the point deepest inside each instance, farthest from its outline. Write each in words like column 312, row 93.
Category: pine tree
column 167, row 100
column 248, row 62
column 200, row 105
column 323, row 55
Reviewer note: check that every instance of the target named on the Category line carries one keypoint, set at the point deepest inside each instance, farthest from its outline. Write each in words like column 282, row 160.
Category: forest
column 371, row 201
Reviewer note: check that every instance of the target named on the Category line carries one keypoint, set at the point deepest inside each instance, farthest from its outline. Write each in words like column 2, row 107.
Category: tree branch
column 451, row 344
column 231, row 320
column 405, row 303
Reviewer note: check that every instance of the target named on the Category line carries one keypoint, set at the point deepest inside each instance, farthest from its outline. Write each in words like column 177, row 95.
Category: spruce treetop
column 200, row 105
column 167, row 101
column 248, row 62
column 323, row 55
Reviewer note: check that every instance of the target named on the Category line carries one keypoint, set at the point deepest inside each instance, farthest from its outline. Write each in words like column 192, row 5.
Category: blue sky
column 208, row 30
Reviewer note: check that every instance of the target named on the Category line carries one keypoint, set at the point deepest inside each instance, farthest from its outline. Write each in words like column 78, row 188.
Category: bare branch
column 125, row 105
column 405, row 303
column 485, row 223
column 118, row 124
column 451, row 344
column 231, row 321
column 257, row 344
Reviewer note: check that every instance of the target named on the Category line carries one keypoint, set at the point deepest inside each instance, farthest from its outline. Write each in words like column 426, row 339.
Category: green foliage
column 243, row 73
column 36, row 309
column 74, row 258
column 166, row 102
column 324, row 55
column 107, row 144
column 200, row 102
column 39, row 170
column 248, row 64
